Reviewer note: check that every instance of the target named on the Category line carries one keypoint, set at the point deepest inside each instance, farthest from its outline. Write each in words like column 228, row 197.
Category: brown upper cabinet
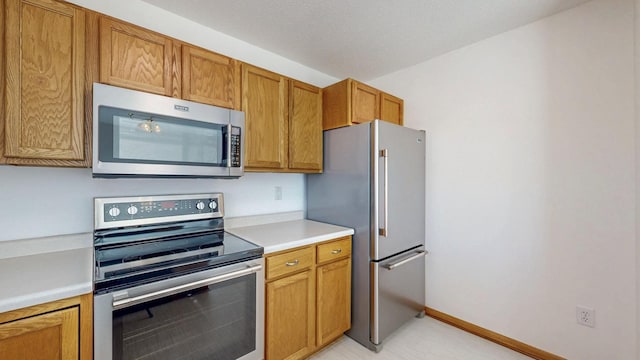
column 350, row 102
column 283, row 122
column 54, row 51
column 44, row 100
column 210, row 78
column 391, row 108
column 140, row 59
column 136, row 58
column 264, row 102
column 305, row 127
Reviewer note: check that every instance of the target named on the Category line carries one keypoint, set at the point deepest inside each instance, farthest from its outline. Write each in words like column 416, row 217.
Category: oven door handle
column 126, row 302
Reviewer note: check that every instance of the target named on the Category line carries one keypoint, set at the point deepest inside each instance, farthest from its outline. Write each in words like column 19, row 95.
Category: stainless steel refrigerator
column 373, row 182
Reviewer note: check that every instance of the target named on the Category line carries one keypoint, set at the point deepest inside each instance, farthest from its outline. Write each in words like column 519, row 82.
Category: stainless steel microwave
column 137, row 134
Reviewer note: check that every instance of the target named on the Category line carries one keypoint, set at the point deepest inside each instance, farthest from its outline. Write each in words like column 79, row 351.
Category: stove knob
column 213, row 205
column 114, row 211
column 132, row 210
column 200, row 205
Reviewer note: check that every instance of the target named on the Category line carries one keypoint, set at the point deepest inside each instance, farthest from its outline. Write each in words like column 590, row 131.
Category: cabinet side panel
column 336, row 105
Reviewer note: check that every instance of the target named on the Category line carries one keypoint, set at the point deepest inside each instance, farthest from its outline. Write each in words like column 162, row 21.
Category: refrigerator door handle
column 418, row 254
column 384, row 231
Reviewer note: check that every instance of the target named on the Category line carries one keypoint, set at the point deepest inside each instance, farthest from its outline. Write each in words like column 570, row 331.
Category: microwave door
column 147, row 135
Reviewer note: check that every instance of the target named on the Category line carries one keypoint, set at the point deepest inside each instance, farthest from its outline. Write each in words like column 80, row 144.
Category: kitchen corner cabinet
column 210, row 78
column 137, row 58
column 308, row 298
column 44, row 72
column 350, row 102
column 282, row 121
column 60, row 329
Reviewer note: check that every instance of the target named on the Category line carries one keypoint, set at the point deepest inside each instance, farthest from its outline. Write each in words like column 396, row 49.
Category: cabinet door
column 210, row 78
column 44, row 110
column 333, row 300
column 365, row 103
column 135, row 58
column 391, row 109
column 264, row 101
column 290, row 317
column 52, row 336
column 305, row 126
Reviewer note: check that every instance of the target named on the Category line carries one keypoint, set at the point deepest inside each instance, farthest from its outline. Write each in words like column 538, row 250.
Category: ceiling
column 363, row 39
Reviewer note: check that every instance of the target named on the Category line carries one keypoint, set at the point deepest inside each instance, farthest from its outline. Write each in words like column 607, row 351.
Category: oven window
column 214, row 322
column 150, row 139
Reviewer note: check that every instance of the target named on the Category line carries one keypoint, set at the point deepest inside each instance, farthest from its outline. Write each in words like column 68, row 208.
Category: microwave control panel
column 235, row 147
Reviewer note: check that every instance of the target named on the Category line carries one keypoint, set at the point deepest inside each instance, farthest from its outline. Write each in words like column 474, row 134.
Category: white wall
column 50, row 201
column 53, row 201
column 531, row 179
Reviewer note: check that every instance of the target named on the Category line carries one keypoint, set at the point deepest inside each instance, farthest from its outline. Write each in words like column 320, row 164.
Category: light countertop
column 285, row 235
column 39, row 270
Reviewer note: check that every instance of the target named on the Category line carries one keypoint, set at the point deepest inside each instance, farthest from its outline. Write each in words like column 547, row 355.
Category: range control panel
column 131, row 211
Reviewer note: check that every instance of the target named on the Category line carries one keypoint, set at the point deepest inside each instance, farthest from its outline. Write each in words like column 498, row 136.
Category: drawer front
column 289, row 262
column 337, row 249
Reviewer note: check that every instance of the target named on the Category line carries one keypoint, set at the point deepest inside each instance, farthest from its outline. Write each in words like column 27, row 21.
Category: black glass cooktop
column 140, row 255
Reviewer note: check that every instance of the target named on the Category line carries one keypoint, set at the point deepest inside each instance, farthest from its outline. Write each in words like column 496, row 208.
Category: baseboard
column 492, row 336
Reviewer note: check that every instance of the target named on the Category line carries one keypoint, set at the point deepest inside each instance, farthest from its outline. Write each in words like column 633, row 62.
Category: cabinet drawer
column 337, row 249
column 289, row 262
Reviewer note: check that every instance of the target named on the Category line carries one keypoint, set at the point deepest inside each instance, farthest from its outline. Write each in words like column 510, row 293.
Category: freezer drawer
column 398, row 292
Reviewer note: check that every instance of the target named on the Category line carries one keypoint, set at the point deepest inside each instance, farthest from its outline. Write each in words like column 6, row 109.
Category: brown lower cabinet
column 308, row 298
column 60, row 329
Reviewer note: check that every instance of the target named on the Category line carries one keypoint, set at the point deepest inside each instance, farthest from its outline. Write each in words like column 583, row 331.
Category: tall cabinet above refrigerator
column 373, row 182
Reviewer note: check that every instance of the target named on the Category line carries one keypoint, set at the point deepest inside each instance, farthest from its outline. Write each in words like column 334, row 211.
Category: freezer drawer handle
column 336, row 251
column 293, row 263
column 418, row 254
column 384, row 231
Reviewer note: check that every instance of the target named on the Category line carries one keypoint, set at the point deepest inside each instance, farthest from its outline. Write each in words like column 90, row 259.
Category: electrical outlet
column 586, row 316
column 278, row 192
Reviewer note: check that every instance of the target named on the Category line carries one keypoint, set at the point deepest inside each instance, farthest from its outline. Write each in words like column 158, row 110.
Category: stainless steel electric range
column 170, row 283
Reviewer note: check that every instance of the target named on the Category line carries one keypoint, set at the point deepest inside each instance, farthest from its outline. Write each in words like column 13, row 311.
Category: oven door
column 212, row 314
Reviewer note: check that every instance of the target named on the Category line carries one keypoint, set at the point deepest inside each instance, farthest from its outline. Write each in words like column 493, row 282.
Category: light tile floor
column 422, row 339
